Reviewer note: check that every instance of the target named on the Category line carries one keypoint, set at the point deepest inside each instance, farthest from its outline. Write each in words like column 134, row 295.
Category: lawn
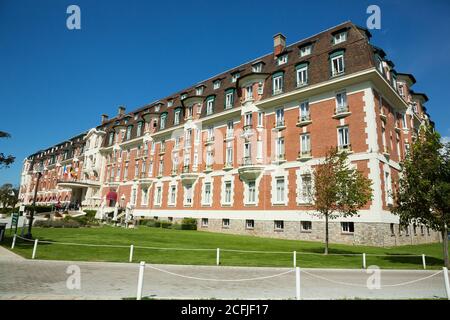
column 168, row 238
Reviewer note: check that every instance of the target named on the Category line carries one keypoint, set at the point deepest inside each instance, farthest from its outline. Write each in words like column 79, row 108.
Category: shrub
column 90, row 213
column 189, row 224
column 39, row 209
column 57, row 224
column 166, row 224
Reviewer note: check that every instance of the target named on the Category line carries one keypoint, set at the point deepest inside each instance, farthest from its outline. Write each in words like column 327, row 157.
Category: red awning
column 111, row 196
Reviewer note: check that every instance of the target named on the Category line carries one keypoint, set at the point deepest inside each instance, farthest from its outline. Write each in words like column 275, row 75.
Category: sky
column 55, row 83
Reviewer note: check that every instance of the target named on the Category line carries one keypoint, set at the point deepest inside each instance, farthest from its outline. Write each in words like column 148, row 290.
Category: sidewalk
column 6, row 255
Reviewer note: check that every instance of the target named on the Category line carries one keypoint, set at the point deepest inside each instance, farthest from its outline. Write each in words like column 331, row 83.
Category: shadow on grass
column 408, row 260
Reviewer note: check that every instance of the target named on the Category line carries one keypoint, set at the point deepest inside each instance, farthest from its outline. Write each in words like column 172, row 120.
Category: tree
column 5, row 161
column 8, row 195
column 338, row 189
column 424, row 187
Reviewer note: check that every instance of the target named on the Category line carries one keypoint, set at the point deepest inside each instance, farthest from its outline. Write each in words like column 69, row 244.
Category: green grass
column 168, row 238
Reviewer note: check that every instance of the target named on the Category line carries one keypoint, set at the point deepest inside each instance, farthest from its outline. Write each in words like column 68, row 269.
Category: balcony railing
column 209, row 140
column 304, row 154
column 186, row 169
column 247, row 161
column 345, row 147
column 279, row 124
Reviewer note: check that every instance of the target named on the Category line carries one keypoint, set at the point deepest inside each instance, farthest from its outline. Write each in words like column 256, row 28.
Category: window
column 188, row 194
column 252, row 191
column 161, row 168
column 170, row 103
column 279, row 225
column 225, row 223
column 347, row 227
column 401, row 90
column 305, row 144
column 162, row 124
column 341, row 102
column 204, row 222
column 133, row 196
column 173, row 194
column 229, row 99
column 157, row 108
column 388, row 188
column 260, row 118
column 207, row 195
column 392, row 229
column 282, row 59
column 279, row 117
column 125, row 172
column 277, row 83
column 257, row 67
column 183, row 96
column 177, row 115
column 306, row 226
column 111, row 138
column 199, row 91
column 216, row 84
column 150, row 169
column 340, row 37
column 158, row 196
column 230, row 128
column 235, row 76
column 337, row 63
column 304, row 111
column 305, row 50
column 279, row 148
column 404, row 121
column 209, row 106
column 228, row 192
column 129, row 128
column 343, row 138
column 249, row 92
column 302, row 74
column 249, row 224
column 144, row 196
column 305, row 188
column 248, row 119
column 280, row 190
column 139, row 129
column 247, row 151
column 259, row 149
column 229, row 155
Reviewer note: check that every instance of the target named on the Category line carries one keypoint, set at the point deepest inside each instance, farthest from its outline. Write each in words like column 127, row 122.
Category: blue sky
column 55, row 83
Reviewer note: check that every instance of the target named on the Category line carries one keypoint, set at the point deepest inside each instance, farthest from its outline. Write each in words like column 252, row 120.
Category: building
column 237, row 151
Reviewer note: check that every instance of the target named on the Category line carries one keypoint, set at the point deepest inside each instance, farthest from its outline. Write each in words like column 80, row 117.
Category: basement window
column 347, row 227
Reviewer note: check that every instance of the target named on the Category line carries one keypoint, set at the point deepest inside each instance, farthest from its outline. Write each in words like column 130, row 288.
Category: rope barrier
column 224, row 250
column 219, row 280
column 365, row 286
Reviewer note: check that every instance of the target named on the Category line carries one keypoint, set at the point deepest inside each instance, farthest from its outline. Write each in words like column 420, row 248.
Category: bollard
column 447, row 285
column 218, row 257
column 364, row 261
column 295, row 259
column 34, row 249
column 13, row 242
column 140, row 280
column 424, row 263
column 131, row 253
column 297, row 283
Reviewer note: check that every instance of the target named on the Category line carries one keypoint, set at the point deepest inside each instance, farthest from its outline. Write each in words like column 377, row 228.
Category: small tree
column 5, row 161
column 424, row 187
column 8, row 195
column 338, row 189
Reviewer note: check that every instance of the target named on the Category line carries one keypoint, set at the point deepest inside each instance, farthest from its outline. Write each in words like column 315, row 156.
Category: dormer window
column 257, row 67
column 216, row 84
column 340, row 37
column 170, row 103
column 249, row 92
column 162, row 123
column 229, row 98
column 282, row 59
column 235, row 76
column 199, row 91
column 337, row 63
column 210, row 105
column 157, row 108
column 305, row 50
column 183, row 96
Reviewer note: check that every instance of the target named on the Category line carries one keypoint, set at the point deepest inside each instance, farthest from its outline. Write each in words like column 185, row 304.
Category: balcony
column 341, row 112
column 188, row 177
column 279, row 124
column 228, row 166
column 345, row 147
column 229, row 135
column 146, row 180
column 304, row 120
column 281, row 157
column 208, row 168
column 209, row 140
column 304, row 155
column 248, row 170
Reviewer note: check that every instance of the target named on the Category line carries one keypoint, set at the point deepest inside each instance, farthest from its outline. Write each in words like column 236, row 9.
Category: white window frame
column 277, row 84
column 337, row 65
column 343, row 137
column 305, row 50
column 305, row 113
column 302, row 76
column 340, row 37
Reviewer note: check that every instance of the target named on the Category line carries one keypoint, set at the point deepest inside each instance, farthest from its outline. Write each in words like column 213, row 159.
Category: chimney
column 121, row 111
column 104, row 118
column 279, row 43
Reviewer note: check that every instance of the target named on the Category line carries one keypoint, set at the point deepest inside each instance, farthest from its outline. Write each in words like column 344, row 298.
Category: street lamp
column 30, row 223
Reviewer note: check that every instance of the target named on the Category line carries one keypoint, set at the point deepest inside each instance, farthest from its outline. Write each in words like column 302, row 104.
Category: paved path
column 39, row 279
column 6, row 255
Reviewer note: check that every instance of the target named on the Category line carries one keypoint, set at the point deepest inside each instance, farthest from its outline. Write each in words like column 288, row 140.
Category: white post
column 218, row 257
column 447, row 285
column 13, row 242
column 34, row 248
column 297, row 282
column 140, row 280
column 131, row 253
column 295, row 259
column 364, row 261
column 424, row 263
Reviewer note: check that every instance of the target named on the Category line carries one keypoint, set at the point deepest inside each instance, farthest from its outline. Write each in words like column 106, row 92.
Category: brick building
column 237, row 151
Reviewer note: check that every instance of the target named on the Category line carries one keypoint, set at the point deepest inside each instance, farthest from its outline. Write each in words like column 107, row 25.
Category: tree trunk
column 326, row 233
column 445, row 245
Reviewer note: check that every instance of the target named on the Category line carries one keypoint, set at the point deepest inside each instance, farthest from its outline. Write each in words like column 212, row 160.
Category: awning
column 111, row 196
